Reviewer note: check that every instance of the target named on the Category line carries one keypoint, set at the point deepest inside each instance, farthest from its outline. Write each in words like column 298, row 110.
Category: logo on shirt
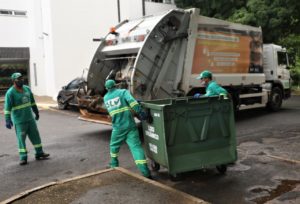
column 113, row 103
column 25, row 99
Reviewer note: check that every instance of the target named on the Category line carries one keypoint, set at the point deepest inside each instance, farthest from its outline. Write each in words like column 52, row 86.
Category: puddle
column 4, row 155
column 284, row 187
column 239, row 167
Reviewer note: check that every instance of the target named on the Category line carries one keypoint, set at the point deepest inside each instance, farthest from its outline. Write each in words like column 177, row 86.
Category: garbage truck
column 160, row 56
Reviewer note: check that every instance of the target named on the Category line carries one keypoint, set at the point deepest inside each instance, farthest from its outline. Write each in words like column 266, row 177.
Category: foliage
column 278, row 18
column 292, row 43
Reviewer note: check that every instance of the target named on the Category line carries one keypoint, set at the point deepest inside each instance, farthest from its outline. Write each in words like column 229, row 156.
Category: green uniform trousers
column 131, row 137
column 28, row 128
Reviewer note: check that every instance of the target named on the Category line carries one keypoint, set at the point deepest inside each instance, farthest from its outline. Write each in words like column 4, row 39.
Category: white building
column 52, row 40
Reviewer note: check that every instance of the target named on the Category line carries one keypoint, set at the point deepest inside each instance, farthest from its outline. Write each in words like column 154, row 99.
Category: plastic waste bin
column 187, row 134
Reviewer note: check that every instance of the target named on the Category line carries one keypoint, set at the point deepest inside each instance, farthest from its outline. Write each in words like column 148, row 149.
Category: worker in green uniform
column 119, row 103
column 212, row 88
column 18, row 107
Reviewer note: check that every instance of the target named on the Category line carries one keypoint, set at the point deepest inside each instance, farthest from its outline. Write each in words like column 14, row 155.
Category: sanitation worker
column 18, row 107
column 119, row 103
column 212, row 88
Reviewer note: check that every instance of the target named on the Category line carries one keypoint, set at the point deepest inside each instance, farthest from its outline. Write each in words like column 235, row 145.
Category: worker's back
column 118, row 103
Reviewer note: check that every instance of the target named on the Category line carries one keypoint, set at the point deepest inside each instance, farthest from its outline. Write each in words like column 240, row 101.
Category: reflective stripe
column 6, row 112
column 114, row 112
column 25, row 105
column 134, row 103
column 114, row 154
column 33, row 104
column 37, row 145
column 22, row 150
column 224, row 95
column 140, row 161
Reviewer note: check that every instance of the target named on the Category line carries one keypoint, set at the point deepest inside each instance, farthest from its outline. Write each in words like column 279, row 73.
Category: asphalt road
column 268, row 169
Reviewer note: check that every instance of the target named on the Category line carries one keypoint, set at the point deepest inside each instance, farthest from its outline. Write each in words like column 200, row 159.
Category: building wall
column 73, row 28
column 153, row 8
column 59, row 34
column 15, row 31
column 131, row 9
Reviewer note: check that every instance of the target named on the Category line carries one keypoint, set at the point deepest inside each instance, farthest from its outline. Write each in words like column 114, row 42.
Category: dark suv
column 68, row 95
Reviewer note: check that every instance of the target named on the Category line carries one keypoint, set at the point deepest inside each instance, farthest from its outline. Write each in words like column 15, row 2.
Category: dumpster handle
column 186, row 99
column 149, row 116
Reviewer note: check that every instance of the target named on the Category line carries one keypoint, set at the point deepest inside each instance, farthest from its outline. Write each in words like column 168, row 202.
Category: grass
column 296, row 90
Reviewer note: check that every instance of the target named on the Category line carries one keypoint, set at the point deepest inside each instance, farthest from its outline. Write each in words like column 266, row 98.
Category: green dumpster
column 187, row 134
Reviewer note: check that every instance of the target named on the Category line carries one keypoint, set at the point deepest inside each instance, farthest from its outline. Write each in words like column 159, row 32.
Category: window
column 282, row 58
column 4, row 12
column 20, row 13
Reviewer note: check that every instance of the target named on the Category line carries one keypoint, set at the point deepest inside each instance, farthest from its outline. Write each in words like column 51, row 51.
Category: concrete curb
column 27, row 192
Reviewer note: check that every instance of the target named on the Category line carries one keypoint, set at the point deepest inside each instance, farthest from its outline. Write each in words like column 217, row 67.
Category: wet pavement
column 267, row 171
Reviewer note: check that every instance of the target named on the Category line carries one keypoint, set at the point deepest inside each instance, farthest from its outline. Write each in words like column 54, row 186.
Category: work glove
column 143, row 115
column 36, row 112
column 8, row 123
column 197, row 95
column 146, row 116
column 37, row 116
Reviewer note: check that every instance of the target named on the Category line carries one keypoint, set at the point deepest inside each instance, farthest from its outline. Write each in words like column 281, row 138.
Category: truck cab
column 276, row 64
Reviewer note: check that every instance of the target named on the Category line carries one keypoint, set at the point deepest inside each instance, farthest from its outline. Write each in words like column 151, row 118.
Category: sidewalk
column 105, row 186
column 43, row 102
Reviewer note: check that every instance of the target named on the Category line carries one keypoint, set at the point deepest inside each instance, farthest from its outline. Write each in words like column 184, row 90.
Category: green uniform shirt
column 119, row 103
column 213, row 89
column 18, row 105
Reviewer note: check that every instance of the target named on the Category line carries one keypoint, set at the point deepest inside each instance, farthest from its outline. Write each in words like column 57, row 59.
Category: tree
column 278, row 18
column 292, row 43
column 221, row 9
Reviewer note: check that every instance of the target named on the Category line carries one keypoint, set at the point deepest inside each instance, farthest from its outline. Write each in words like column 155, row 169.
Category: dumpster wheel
column 154, row 166
column 222, row 168
column 176, row 177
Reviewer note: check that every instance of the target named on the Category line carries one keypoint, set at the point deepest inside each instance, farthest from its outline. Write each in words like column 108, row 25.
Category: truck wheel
column 154, row 166
column 222, row 168
column 61, row 105
column 275, row 99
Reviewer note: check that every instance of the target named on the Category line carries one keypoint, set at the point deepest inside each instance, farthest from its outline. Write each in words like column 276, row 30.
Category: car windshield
column 74, row 84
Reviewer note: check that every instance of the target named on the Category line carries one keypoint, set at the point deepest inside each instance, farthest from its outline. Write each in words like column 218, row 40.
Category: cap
column 205, row 74
column 16, row 75
column 110, row 84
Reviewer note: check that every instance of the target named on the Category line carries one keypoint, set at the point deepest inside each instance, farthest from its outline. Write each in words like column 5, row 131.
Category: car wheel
column 61, row 104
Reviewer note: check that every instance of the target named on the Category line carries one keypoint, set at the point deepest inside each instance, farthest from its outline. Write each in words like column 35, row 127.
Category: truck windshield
column 282, row 58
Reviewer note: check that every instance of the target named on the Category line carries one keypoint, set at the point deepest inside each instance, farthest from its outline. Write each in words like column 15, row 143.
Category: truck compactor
column 160, row 56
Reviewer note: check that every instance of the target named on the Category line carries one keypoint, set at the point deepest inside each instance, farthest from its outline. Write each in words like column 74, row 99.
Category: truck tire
column 275, row 101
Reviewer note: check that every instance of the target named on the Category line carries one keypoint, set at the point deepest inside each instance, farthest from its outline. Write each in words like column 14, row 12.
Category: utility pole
column 119, row 11
column 144, row 7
